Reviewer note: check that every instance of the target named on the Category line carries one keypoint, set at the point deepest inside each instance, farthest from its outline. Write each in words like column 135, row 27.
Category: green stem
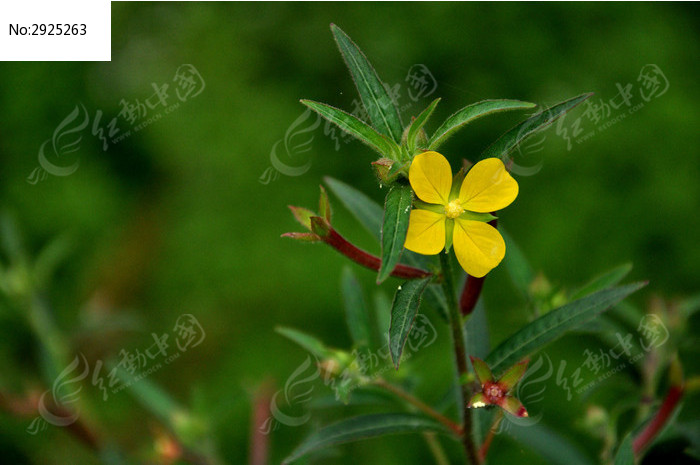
column 436, row 449
column 420, row 405
column 460, row 357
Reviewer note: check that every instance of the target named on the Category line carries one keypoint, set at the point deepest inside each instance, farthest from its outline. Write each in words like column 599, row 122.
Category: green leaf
column 397, row 210
column 549, row 444
column 149, row 395
column 417, row 124
column 380, row 106
column 356, row 312
column 368, row 212
column 554, row 324
column 477, row 330
column 471, row 113
column 306, row 341
column 365, row 427
column 403, row 311
column 603, row 281
column 510, row 140
column 688, row 307
column 435, row 298
column 382, row 310
column 356, row 128
column 518, row 267
column 50, row 258
column 625, row 454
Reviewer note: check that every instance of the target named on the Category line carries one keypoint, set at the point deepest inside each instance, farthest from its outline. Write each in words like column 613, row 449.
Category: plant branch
column 420, row 405
column 342, row 245
column 460, row 358
column 655, row 426
column 492, row 432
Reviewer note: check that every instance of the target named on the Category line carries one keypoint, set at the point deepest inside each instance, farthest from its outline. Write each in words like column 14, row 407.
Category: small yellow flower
column 450, row 217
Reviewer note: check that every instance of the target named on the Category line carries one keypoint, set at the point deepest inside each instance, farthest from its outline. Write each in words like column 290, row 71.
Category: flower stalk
column 460, row 358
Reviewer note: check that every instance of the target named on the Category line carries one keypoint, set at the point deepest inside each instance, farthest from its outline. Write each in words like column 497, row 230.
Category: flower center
column 493, row 392
column 453, row 209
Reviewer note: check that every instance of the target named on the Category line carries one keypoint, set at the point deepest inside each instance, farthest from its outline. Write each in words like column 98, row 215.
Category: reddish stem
column 259, row 441
column 484, row 450
column 659, row 421
column 367, row 260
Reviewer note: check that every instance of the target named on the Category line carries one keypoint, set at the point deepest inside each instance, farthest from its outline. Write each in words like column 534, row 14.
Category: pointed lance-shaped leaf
column 470, row 113
column 403, row 312
column 511, row 139
column 356, row 311
column 554, row 324
column 356, row 128
column 306, row 341
column 397, row 210
column 381, row 108
column 417, row 124
column 365, row 427
column 368, row 212
column 603, row 281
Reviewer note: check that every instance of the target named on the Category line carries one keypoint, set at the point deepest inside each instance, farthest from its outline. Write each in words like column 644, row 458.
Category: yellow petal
column 479, row 246
column 426, row 232
column 488, row 187
column 431, row 177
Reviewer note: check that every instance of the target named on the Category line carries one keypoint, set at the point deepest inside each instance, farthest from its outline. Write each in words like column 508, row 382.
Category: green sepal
column 478, row 400
column 514, row 407
column 303, row 237
column 320, row 226
column 449, row 234
column 302, row 215
column 474, row 216
column 482, row 370
column 324, row 205
column 512, row 375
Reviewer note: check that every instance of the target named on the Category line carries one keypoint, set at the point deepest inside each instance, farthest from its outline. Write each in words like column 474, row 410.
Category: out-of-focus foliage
column 184, row 214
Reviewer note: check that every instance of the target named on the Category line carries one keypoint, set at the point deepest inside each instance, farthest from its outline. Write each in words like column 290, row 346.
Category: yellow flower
column 450, row 217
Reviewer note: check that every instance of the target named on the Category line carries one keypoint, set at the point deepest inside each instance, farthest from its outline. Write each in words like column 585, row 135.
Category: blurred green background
column 183, row 216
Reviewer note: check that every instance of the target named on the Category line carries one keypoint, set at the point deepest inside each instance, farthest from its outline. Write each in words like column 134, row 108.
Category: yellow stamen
column 453, row 209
